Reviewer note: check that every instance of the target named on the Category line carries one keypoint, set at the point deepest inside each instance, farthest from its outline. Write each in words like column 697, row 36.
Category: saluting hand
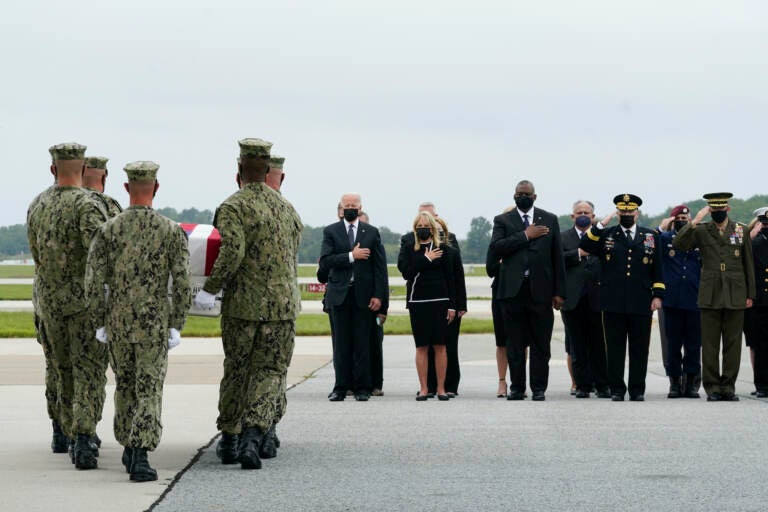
column 666, row 223
column 533, row 231
column 607, row 219
column 360, row 253
column 700, row 216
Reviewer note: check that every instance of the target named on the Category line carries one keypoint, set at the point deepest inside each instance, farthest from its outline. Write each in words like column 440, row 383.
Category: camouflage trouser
column 139, row 375
column 256, row 359
column 51, row 382
column 80, row 364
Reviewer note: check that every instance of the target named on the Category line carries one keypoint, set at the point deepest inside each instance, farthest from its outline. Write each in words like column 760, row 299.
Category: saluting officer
column 726, row 290
column 631, row 288
column 681, row 319
column 758, row 327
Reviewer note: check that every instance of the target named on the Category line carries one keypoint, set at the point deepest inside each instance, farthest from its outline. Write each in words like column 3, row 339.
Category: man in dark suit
column 531, row 282
column 357, row 286
column 631, row 289
column 581, row 311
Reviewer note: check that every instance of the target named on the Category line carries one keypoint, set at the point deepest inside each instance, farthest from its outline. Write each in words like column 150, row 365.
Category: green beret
column 254, row 148
column 96, row 162
column 141, row 171
column 68, row 151
column 276, row 162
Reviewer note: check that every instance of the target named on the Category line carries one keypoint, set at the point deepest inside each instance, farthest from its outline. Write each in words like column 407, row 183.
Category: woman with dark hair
column 431, row 297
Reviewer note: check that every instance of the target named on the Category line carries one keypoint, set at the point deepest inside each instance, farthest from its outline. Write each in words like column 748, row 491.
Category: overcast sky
column 447, row 101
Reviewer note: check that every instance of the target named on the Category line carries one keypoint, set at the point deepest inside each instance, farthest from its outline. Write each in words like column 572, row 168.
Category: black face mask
column 627, row 221
column 423, row 233
column 350, row 214
column 679, row 224
column 719, row 216
column 524, row 203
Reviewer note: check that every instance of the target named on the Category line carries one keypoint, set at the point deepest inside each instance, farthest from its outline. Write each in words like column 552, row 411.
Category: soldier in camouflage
column 60, row 226
column 95, row 179
column 256, row 267
column 275, row 176
column 129, row 265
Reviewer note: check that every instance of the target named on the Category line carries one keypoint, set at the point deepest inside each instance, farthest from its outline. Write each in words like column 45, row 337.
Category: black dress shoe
column 729, row 397
column 421, row 398
column 538, row 396
column 713, row 397
column 637, row 398
column 443, row 398
column 754, row 393
column 675, row 389
column 617, row 397
column 337, row 396
column 516, row 395
column 580, row 393
column 603, row 393
column 761, row 393
column 362, row 396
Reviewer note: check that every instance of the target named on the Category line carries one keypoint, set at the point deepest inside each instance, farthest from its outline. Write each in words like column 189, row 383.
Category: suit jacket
column 630, row 271
column 542, row 256
column 370, row 276
column 436, row 279
column 408, row 239
column 727, row 267
column 582, row 275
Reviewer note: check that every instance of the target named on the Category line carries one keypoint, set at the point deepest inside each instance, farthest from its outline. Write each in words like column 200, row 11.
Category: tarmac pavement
column 476, row 452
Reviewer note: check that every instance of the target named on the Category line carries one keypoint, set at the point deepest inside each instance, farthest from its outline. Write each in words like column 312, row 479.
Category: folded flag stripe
column 204, row 243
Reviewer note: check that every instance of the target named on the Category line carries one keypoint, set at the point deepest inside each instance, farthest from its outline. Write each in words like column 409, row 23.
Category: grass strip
column 20, row 325
column 16, row 271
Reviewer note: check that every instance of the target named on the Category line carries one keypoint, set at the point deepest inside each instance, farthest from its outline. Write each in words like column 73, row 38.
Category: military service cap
column 276, row 162
column 97, row 162
column 68, row 151
column 627, row 202
column 254, row 148
column 142, row 170
column 718, row 199
column 760, row 211
column 680, row 209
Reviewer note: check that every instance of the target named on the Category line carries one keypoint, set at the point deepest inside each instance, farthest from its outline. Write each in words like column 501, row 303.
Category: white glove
column 205, row 300
column 175, row 338
column 101, row 335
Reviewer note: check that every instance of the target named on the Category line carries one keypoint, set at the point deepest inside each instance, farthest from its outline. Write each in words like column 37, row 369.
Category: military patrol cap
column 627, row 202
column 276, row 162
column 254, row 148
column 717, row 199
column 97, row 162
column 680, row 209
column 68, row 151
column 142, row 170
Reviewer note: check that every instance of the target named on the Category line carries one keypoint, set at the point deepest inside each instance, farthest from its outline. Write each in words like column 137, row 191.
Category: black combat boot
column 268, row 448
column 95, row 444
column 250, row 441
column 674, row 388
column 691, row 388
column 71, row 450
column 126, row 458
column 60, row 442
column 85, row 458
column 227, row 450
column 140, row 470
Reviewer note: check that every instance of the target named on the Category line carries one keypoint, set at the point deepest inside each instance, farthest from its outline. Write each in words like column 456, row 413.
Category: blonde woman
column 431, row 297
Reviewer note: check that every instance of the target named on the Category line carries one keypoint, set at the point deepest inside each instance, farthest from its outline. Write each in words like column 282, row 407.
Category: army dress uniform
column 129, row 266
column 727, row 281
column 256, row 267
column 59, row 230
column 631, row 277
column 681, row 319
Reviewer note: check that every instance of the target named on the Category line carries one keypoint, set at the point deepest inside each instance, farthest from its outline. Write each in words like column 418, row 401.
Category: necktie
column 525, row 220
column 629, row 234
column 526, row 270
column 351, row 236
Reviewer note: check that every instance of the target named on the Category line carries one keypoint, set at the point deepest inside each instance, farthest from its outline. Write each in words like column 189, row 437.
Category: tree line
column 13, row 239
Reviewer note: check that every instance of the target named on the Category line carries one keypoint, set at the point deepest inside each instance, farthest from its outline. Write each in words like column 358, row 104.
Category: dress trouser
column 585, row 329
column 527, row 323
column 758, row 326
column 683, row 328
column 622, row 330
column 728, row 325
column 452, row 371
column 376, row 355
column 351, row 340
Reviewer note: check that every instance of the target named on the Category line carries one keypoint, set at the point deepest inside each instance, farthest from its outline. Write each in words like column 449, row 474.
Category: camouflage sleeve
column 232, row 248
column 32, row 239
column 182, row 290
column 95, row 278
column 91, row 218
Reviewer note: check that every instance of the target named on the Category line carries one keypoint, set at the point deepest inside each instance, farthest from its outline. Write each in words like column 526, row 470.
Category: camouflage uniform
column 256, row 266
column 110, row 205
column 134, row 255
column 60, row 226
